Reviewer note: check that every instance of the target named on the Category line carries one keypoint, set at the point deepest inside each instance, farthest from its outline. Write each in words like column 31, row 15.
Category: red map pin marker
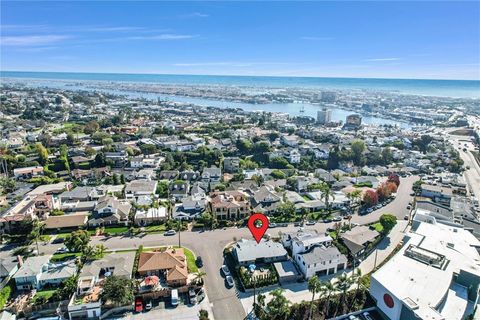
column 255, row 228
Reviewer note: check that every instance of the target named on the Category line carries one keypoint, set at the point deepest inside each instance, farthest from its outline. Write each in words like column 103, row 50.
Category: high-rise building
column 324, row 116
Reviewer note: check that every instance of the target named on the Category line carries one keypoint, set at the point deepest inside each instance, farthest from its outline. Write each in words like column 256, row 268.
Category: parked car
column 310, row 223
column 199, row 262
column 170, row 233
column 192, row 296
column 229, row 281
column 148, row 305
column 174, row 297
column 347, row 217
column 283, row 225
column 409, row 207
column 367, row 316
column 62, row 250
column 352, row 317
column 58, row 240
column 272, row 225
column 406, row 217
column 327, row 220
column 298, row 224
column 225, row 270
column 369, row 210
column 138, row 305
column 337, row 218
column 412, row 194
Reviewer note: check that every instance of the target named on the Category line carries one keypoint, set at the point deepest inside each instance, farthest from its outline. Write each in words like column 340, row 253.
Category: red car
column 138, row 305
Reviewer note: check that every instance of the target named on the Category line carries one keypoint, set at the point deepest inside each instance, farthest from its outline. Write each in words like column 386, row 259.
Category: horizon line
column 236, row 75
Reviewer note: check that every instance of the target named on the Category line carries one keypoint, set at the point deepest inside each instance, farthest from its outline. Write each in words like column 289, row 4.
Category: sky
column 378, row 39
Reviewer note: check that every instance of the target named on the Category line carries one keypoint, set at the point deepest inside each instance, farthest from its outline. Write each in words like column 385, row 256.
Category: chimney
column 20, row 261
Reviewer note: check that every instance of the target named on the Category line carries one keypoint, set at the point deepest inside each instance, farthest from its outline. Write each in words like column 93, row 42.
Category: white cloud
column 166, row 36
column 195, row 15
column 32, row 40
column 383, row 59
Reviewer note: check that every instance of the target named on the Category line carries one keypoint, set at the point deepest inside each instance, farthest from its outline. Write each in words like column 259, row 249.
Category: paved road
column 472, row 175
column 209, row 245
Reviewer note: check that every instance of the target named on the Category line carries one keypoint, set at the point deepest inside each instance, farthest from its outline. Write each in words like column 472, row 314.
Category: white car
column 229, row 281
column 367, row 316
column 170, row 233
column 148, row 305
column 225, row 270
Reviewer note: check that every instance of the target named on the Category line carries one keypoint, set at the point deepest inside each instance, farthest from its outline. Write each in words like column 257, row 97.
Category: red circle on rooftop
column 388, row 300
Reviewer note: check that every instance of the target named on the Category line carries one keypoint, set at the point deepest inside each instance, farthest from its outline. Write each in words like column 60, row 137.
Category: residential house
column 179, row 189
column 358, row 238
column 231, row 205
column 27, row 173
column 117, row 159
column 137, row 188
column 110, row 210
column 190, row 208
column 248, row 252
column 231, row 164
column 36, row 273
column 265, row 200
column 8, row 267
column 171, row 264
column 66, row 221
column 168, row 175
column 321, row 260
column 439, row 194
column 86, row 302
column 149, row 216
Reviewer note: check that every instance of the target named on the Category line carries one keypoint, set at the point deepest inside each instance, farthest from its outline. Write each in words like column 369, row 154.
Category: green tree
column 7, row 184
column 36, row 233
column 326, row 196
column 343, row 283
column 287, row 208
column 358, row 147
column 278, row 174
column 118, row 290
column 42, row 153
column 278, row 307
column 314, row 285
column 203, row 315
column 77, row 240
column 100, row 250
column 388, row 221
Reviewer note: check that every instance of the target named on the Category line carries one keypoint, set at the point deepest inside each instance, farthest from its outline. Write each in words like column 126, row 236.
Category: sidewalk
column 298, row 292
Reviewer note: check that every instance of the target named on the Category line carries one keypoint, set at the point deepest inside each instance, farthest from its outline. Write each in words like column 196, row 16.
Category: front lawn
column 191, row 265
column 377, row 226
column 44, row 295
column 64, row 256
column 156, row 228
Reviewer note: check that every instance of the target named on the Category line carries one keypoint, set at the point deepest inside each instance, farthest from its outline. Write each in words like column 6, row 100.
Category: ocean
column 438, row 88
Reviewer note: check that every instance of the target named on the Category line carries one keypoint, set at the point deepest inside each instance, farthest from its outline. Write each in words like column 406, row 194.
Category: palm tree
column 36, row 233
column 329, row 289
column 314, row 285
column 100, row 250
column 356, row 277
column 279, row 306
column 260, row 306
column 326, row 196
column 199, row 276
column 344, row 282
column 88, row 253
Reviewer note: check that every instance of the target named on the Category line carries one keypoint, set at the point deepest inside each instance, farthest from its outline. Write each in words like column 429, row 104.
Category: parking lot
column 162, row 309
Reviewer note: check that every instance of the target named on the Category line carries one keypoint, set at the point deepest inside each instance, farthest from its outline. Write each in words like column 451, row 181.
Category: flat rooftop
column 424, row 285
